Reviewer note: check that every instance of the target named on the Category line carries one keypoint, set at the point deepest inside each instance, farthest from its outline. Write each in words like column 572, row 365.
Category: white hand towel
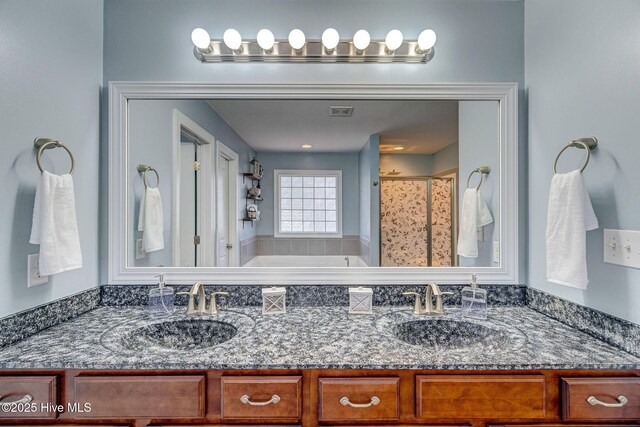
column 569, row 216
column 54, row 226
column 150, row 220
column 474, row 214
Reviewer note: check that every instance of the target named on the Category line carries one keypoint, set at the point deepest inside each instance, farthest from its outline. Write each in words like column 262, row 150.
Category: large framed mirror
column 301, row 184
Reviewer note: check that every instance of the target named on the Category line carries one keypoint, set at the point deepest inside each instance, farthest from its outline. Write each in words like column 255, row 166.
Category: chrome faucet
column 347, row 259
column 213, row 305
column 198, row 290
column 429, row 306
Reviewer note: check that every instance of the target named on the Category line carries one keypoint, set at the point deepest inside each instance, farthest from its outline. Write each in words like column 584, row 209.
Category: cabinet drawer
column 261, row 397
column 348, row 399
column 577, row 392
column 480, row 396
column 152, row 396
column 35, row 397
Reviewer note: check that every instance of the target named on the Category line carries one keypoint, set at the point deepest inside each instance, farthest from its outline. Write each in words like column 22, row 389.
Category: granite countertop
column 315, row 337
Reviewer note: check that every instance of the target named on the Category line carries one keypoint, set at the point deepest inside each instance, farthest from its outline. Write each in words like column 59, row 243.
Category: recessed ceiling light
column 306, row 146
column 398, row 148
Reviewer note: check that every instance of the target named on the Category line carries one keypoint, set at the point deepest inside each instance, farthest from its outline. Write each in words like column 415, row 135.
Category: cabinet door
column 586, row 399
column 144, row 396
column 350, row 399
column 28, row 397
column 480, row 396
column 261, row 397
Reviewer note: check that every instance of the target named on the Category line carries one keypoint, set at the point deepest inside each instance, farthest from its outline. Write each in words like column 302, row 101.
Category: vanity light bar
column 314, row 51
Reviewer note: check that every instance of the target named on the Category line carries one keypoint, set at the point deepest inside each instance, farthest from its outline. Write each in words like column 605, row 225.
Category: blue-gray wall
column 150, row 142
column 50, row 79
column 478, row 141
column 478, row 41
column 346, row 162
column 582, row 63
column 446, row 159
column 369, row 164
column 407, row 164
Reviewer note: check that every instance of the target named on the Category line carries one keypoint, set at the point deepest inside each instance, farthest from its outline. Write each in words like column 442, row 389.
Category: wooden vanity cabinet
column 329, row 397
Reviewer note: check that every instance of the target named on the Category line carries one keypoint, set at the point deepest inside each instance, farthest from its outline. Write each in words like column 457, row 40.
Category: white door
column 188, row 208
column 222, row 212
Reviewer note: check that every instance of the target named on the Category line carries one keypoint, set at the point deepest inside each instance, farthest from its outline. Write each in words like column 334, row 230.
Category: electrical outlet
column 140, row 252
column 33, row 271
column 496, row 252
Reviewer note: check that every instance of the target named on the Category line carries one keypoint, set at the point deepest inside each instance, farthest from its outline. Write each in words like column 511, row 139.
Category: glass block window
column 308, row 203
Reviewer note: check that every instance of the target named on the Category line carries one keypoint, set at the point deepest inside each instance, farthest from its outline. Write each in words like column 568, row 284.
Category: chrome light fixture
column 330, row 39
column 329, row 49
column 233, row 40
column 361, row 41
column 393, row 41
column 297, row 40
column 266, row 40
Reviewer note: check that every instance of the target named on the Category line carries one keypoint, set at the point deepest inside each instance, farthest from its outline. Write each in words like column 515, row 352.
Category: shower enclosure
column 417, row 221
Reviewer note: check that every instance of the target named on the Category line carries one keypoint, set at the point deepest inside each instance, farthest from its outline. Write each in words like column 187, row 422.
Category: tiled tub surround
column 269, row 245
column 308, row 337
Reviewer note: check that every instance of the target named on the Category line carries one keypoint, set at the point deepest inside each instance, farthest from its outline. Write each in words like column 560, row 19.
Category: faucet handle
column 191, row 309
column 213, row 305
column 417, row 305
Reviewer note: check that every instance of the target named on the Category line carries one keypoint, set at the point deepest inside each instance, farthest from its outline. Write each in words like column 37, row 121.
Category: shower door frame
column 428, row 179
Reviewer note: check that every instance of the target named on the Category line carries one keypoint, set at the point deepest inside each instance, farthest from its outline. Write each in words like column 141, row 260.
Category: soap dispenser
column 474, row 300
column 161, row 299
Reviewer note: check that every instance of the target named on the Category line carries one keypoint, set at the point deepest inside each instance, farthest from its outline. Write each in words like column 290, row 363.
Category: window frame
column 277, row 173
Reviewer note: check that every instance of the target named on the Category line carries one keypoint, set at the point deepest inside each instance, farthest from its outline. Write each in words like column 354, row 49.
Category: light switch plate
column 33, row 271
column 622, row 247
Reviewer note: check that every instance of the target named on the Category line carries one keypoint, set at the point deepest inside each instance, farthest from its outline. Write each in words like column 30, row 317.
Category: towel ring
column 481, row 170
column 47, row 143
column 586, row 144
column 143, row 169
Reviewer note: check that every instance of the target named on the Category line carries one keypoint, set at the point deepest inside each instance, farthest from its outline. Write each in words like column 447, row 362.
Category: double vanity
column 317, row 366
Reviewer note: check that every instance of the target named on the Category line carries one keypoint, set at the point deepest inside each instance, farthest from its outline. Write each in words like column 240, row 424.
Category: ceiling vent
column 340, row 111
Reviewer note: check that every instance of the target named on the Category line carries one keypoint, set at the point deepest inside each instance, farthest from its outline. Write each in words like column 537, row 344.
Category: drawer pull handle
column 593, row 401
column 245, row 399
column 346, row 402
column 26, row 399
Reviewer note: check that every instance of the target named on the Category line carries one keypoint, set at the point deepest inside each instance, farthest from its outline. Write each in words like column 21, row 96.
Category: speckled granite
column 322, row 337
column 26, row 323
column 314, row 295
column 610, row 329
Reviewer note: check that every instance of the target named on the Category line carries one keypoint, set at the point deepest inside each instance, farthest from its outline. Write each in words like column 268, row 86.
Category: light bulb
column 361, row 39
column 232, row 39
column 426, row 40
column 393, row 40
column 296, row 39
column 330, row 39
column 200, row 38
column 265, row 39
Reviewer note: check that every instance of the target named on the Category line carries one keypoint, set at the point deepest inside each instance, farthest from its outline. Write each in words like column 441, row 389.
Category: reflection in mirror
column 343, row 183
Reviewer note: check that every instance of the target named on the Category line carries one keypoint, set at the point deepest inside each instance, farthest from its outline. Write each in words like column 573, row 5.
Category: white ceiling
column 422, row 127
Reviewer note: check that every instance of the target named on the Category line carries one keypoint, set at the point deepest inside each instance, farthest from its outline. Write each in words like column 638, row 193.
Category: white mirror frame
column 507, row 272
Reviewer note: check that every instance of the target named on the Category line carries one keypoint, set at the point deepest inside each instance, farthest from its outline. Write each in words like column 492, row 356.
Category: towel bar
column 481, row 170
column 42, row 144
column 143, row 169
column 587, row 144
